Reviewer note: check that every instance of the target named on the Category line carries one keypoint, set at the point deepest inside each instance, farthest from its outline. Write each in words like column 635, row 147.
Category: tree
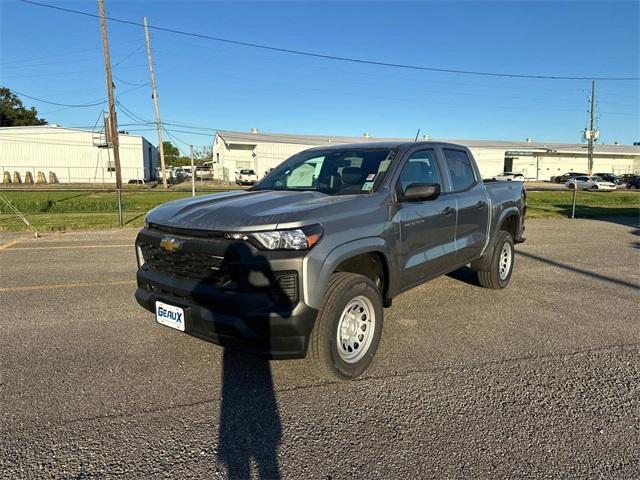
column 171, row 153
column 13, row 113
column 203, row 154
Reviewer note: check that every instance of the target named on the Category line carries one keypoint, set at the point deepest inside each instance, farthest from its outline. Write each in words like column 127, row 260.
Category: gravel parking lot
column 539, row 380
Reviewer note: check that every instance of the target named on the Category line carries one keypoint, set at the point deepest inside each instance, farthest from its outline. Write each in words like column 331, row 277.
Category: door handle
column 481, row 204
column 448, row 211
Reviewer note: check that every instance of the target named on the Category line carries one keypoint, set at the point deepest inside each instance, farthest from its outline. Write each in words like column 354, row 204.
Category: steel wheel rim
column 356, row 329
column 504, row 263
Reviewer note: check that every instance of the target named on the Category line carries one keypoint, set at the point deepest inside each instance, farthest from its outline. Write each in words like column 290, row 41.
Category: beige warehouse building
column 536, row 160
column 71, row 155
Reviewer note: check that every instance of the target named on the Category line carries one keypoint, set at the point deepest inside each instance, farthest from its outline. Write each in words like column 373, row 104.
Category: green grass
column 48, row 211
column 59, row 210
column 588, row 204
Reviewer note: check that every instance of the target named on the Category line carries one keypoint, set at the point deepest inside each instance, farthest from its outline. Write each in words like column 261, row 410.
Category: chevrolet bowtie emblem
column 171, row 244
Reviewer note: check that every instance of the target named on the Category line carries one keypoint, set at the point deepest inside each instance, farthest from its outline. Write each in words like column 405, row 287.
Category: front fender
column 317, row 270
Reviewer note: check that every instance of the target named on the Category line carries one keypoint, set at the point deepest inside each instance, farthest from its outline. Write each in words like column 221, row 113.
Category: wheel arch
column 508, row 221
column 366, row 256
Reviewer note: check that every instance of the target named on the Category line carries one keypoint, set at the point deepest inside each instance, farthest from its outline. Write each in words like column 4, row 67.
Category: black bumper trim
column 272, row 334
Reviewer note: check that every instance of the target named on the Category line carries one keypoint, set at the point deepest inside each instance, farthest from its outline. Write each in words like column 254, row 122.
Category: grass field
column 59, row 210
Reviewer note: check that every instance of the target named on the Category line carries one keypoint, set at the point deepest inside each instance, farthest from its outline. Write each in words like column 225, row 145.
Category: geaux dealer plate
column 170, row 316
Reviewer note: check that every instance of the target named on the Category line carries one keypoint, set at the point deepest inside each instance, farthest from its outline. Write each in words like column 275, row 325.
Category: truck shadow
column 250, row 428
column 466, row 275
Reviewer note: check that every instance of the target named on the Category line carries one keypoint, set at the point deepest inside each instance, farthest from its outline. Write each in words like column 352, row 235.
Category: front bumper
column 230, row 313
column 239, row 321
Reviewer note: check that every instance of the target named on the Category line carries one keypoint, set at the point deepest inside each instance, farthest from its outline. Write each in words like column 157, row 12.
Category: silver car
column 590, row 183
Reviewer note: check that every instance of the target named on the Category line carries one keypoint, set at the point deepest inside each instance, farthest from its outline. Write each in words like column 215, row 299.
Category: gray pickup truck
column 304, row 262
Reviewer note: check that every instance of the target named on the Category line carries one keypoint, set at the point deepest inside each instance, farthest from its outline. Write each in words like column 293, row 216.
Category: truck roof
column 390, row 144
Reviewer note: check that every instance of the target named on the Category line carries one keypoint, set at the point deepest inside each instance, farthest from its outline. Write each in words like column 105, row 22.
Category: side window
column 460, row 169
column 421, row 167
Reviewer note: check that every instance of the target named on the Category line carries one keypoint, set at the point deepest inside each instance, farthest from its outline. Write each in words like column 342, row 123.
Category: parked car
column 590, row 183
column 633, row 183
column 509, row 177
column 304, row 262
column 181, row 174
column 626, row 177
column 567, row 176
column 609, row 177
column 204, row 173
column 246, row 177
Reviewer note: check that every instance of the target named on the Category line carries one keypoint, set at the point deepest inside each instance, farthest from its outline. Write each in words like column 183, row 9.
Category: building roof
column 526, row 146
column 53, row 128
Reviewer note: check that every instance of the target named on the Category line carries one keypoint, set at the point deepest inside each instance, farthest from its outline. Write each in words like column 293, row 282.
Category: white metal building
column 233, row 151
column 68, row 155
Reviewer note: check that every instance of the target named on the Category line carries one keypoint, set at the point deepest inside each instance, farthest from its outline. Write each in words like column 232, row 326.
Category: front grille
column 234, row 275
column 183, row 264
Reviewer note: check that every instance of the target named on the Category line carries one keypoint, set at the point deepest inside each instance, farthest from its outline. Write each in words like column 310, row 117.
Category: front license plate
column 170, row 315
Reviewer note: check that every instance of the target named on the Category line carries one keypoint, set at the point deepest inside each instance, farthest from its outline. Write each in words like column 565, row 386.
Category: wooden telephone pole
column 155, row 103
column 113, row 123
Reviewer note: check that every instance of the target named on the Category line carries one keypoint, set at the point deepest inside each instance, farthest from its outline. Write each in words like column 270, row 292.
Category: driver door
column 427, row 228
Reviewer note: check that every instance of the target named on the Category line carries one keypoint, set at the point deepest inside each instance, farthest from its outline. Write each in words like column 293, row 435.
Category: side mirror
column 417, row 192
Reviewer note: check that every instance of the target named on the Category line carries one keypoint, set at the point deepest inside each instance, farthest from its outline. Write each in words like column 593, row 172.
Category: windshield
column 332, row 171
column 247, row 172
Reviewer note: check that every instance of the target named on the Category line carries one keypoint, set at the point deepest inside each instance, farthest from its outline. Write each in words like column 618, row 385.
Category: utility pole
column 155, row 103
column 592, row 133
column 193, row 173
column 113, row 124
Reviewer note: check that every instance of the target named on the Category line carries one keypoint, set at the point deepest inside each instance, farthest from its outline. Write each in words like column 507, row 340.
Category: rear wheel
column 498, row 274
column 348, row 328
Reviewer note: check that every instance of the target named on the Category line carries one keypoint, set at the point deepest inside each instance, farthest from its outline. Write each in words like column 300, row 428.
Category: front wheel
column 348, row 328
column 499, row 272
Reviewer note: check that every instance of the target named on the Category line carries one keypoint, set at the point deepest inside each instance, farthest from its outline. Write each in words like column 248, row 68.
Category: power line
column 334, row 57
column 67, row 72
column 81, row 105
column 493, row 84
column 128, row 56
column 176, row 139
column 131, row 83
column 63, row 54
column 132, row 115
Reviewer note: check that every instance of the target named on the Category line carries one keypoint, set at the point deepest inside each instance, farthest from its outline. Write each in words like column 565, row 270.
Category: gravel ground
column 539, row 380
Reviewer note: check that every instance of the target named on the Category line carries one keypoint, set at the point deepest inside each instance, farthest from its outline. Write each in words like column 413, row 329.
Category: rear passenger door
column 470, row 197
column 427, row 228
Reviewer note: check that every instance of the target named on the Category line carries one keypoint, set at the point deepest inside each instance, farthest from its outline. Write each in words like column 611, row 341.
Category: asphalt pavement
column 540, row 380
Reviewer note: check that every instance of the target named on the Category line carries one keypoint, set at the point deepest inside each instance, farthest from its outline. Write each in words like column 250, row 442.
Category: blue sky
column 57, row 56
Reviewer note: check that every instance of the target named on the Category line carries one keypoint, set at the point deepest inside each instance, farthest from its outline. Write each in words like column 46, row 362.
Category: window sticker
column 383, row 166
column 367, row 186
column 371, row 177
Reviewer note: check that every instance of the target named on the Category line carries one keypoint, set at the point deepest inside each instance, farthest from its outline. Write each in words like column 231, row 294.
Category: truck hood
column 252, row 210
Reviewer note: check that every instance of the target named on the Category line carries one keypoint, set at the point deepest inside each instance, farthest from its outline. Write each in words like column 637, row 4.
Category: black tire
column 491, row 278
column 572, row 186
column 323, row 344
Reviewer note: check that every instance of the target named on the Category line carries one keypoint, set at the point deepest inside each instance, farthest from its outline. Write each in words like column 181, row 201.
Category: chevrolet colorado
column 304, row 262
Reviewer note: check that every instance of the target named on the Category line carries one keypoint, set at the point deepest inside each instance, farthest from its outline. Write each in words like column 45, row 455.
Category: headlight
column 295, row 239
column 146, row 223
